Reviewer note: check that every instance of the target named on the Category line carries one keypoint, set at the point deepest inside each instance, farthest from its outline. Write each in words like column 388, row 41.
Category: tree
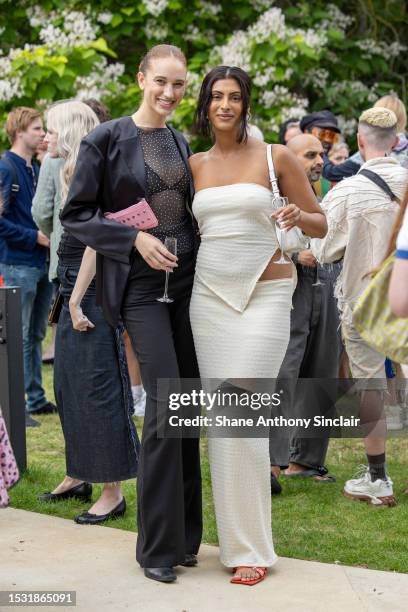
column 302, row 56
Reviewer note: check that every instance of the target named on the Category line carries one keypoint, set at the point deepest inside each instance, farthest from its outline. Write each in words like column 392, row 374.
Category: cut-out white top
column 238, row 239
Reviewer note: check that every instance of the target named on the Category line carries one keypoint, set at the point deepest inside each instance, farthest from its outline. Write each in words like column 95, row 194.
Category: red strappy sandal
column 261, row 571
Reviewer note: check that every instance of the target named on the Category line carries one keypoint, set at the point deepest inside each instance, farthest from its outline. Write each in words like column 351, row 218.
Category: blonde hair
column 19, row 119
column 72, row 121
column 379, row 117
column 379, row 127
column 393, row 103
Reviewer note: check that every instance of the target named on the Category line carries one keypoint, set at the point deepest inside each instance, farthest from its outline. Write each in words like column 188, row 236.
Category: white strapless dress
column 241, row 330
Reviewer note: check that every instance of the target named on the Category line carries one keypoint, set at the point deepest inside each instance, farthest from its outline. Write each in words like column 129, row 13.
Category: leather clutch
column 139, row 216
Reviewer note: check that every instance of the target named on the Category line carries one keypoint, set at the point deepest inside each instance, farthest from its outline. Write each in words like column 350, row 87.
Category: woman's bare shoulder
column 284, row 158
column 197, row 160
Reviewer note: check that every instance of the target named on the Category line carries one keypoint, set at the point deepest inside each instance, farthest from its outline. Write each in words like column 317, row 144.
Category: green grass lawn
column 310, row 520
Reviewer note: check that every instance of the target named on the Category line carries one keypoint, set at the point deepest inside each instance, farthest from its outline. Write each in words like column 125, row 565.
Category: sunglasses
column 325, row 134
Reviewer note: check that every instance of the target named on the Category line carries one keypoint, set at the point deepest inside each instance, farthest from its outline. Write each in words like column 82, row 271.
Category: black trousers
column 169, row 479
column 313, row 352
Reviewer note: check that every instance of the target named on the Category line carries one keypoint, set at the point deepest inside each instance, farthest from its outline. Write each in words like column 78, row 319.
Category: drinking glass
column 278, row 202
column 317, row 281
column 171, row 245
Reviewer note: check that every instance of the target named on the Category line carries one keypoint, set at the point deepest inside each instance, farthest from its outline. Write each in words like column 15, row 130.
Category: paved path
column 39, row 552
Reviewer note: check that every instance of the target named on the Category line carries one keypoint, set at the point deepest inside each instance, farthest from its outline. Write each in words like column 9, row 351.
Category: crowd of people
column 238, row 306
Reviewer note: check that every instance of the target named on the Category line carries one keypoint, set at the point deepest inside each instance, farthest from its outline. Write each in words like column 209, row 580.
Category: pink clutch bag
column 139, row 215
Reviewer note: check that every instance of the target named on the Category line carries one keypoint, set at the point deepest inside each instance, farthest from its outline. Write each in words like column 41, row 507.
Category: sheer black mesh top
column 167, row 186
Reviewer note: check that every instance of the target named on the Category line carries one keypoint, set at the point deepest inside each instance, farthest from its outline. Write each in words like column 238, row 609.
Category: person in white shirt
column 361, row 215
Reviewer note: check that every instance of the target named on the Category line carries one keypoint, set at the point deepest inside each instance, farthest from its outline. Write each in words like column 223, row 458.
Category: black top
column 70, row 249
column 110, row 175
column 167, row 184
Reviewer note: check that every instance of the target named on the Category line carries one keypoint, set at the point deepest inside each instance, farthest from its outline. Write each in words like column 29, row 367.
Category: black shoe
column 29, row 422
column 82, row 491
column 86, row 518
column 48, row 408
column 48, row 360
column 190, row 561
column 276, row 488
column 162, row 574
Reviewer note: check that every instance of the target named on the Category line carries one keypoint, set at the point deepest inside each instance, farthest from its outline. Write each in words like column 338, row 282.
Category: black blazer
column 110, row 176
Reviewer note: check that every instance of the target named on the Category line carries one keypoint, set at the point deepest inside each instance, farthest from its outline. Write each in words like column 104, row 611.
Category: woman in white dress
column 241, row 301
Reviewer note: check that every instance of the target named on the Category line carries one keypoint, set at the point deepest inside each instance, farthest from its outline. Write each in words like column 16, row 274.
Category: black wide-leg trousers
column 169, row 478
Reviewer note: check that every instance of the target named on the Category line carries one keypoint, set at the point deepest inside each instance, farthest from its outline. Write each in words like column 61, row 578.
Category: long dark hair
column 201, row 122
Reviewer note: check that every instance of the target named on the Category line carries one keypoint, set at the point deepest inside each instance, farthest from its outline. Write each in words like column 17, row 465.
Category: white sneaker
column 139, row 400
column 377, row 493
column 393, row 415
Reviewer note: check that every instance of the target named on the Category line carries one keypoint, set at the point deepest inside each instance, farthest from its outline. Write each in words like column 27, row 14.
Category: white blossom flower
column 192, row 33
column 371, row 47
column 53, row 36
column 236, row 52
column 10, row 88
column 261, row 5
column 270, row 22
column 36, row 16
column 155, row 30
column 348, row 127
column 155, row 7
column 99, row 82
column 280, row 97
column 76, row 30
column 336, row 19
column 193, row 84
column 5, row 66
column 317, row 78
column 210, row 8
column 263, row 78
column 312, row 38
column 105, row 17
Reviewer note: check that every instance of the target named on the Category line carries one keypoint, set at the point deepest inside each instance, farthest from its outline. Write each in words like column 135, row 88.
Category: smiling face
column 226, row 106
column 163, row 84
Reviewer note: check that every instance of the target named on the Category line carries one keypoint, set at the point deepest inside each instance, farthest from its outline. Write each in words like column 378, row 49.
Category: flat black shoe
column 48, row 408
column 276, row 487
column 82, row 491
column 190, row 561
column 162, row 574
column 48, row 360
column 30, row 422
column 86, row 518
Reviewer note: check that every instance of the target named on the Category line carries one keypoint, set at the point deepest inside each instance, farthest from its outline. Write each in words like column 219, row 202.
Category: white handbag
column 294, row 240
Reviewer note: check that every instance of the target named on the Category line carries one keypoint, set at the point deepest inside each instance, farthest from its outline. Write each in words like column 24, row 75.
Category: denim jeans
column 36, row 291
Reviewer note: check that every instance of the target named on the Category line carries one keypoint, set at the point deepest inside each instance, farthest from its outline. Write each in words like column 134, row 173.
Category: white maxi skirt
column 248, row 344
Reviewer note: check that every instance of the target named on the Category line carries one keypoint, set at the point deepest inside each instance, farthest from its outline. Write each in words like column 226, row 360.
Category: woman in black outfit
column 119, row 163
column 101, row 444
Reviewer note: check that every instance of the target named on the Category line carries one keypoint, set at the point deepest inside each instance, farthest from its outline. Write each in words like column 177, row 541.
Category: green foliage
column 301, row 55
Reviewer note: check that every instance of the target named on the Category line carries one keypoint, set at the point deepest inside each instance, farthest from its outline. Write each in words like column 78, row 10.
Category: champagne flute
column 171, row 245
column 279, row 202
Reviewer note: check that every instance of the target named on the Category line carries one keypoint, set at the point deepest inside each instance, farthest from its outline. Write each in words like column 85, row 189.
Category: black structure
column 12, row 400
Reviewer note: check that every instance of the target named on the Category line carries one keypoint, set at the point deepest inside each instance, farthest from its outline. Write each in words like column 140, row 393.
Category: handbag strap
column 376, row 178
column 272, row 175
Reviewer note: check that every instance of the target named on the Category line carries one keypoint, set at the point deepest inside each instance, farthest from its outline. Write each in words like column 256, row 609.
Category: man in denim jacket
column 24, row 249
